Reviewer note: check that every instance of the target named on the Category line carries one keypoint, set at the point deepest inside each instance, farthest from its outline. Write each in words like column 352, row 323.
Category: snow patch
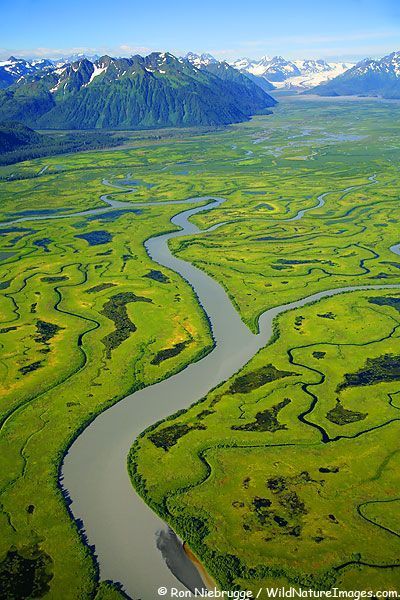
column 97, row 71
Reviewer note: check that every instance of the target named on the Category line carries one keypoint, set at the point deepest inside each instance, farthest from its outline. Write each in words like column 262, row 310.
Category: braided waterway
column 133, row 546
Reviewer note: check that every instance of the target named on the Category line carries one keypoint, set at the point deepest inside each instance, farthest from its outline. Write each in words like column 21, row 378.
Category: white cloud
column 126, row 49
column 355, row 45
column 121, row 50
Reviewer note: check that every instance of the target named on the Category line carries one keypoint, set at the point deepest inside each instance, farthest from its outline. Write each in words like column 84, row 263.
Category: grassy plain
column 82, row 325
column 292, row 476
column 289, row 475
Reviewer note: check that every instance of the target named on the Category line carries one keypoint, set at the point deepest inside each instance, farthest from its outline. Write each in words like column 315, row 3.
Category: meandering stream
column 132, row 544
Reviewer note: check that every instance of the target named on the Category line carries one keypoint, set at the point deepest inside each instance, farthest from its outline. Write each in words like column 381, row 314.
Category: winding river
column 127, row 535
column 132, row 544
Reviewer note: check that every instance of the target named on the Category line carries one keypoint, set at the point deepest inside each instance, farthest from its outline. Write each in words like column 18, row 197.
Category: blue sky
column 333, row 29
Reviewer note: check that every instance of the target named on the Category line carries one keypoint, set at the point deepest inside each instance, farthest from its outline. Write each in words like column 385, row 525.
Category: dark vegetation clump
column 115, row 310
column 43, row 243
column 168, row 437
column 255, row 379
column 99, row 288
column 205, row 413
column 36, row 212
column 55, row 279
column 266, row 420
column 343, row 416
column 291, row 501
column 264, row 205
column 168, row 353
column 318, row 354
column 96, row 238
column 328, row 469
column 32, row 367
column 333, row 519
column 45, row 331
column 261, row 503
column 328, row 315
column 157, row 276
column 387, row 301
column 385, row 368
column 298, row 322
column 14, row 229
column 283, row 512
column 276, row 484
column 25, row 574
column 279, row 267
column 280, row 521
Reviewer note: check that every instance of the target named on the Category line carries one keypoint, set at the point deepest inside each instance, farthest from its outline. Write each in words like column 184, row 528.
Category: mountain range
column 291, row 75
column 162, row 90
column 13, row 69
column 367, row 78
column 204, row 61
column 158, row 90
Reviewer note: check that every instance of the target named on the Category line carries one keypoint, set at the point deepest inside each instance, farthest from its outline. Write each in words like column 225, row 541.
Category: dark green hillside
column 246, row 91
column 263, row 83
column 158, row 90
column 367, row 78
column 25, row 102
column 19, row 142
column 14, row 135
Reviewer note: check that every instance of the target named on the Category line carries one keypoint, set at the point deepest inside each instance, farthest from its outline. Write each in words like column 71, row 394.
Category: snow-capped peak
column 15, row 69
column 297, row 74
column 264, row 60
column 242, row 63
column 200, row 60
column 389, row 64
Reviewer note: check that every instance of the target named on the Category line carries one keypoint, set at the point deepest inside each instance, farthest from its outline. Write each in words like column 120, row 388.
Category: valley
column 283, row 447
